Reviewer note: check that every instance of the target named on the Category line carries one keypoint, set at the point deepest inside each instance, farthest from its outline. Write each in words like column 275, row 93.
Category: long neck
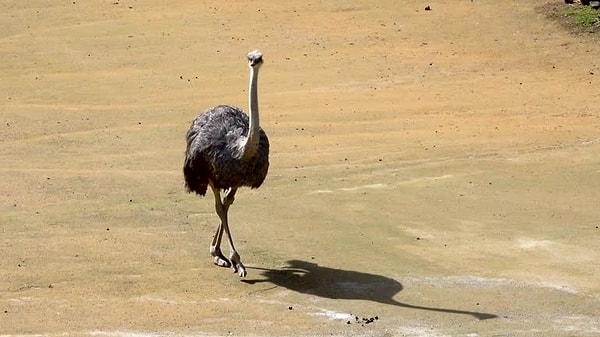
column 252, row 141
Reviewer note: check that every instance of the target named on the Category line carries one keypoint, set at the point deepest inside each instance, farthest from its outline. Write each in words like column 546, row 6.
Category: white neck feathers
column 252, row 141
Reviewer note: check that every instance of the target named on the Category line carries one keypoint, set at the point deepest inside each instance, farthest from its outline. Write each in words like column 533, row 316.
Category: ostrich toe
column 220, row 259
column 236, row 264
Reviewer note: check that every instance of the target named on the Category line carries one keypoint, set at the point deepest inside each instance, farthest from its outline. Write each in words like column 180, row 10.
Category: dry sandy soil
column 433, row 173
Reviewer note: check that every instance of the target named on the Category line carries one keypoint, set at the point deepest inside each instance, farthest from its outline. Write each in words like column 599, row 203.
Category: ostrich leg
column 215, row 246
column 222, row 207
column 234, row 257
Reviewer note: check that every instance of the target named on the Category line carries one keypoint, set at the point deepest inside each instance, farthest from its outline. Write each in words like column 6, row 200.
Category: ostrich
column 227, row 150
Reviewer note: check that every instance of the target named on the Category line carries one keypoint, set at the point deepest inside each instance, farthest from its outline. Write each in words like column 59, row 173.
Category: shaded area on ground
column 311, row 278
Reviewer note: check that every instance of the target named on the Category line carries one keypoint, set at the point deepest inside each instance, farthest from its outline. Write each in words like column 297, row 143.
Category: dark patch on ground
column 555, row 11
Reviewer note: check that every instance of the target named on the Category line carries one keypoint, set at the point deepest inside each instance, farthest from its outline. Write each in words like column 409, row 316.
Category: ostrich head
column 255, row 59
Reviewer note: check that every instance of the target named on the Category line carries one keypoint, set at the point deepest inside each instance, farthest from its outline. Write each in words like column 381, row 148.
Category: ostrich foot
column 219, row 258
column 236, row 264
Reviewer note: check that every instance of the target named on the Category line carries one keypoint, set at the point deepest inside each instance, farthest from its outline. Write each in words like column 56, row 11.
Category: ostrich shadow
column 310, row 278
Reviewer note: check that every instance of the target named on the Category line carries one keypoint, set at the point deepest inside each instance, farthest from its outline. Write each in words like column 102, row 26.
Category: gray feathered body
column 215, row 152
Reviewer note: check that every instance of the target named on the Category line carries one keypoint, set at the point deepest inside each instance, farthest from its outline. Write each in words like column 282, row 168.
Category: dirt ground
column 433, row 172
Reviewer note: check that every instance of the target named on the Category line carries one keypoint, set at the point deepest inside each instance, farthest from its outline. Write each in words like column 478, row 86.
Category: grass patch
column 583, row 21
column 583, row 16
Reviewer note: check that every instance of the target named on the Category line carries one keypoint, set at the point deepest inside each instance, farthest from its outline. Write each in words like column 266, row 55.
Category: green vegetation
column 584, row 16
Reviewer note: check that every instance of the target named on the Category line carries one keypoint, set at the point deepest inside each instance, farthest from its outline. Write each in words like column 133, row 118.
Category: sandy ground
column 433, row 173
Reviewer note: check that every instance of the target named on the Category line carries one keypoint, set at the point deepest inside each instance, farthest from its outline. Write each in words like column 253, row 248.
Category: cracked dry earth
column 433, row 173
